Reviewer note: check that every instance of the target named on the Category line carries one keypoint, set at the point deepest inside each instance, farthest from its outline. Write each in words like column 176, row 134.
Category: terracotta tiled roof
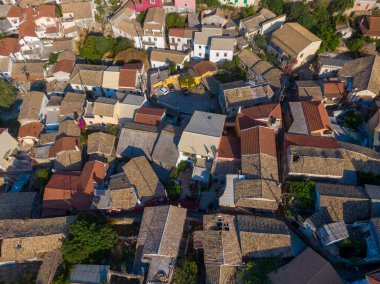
column 127, row 79
column 316, row 116
column 7, row 46
column 15, row 12
column 310, row 141
column 204, row 67
column 64, row 65
column 72, row 190
column 93, row 171
column 258, row 140
column 64, row 144
column 229, row 147
column 333, row 89
column 31, row 129
column 182, row 32
column 263, row 111
column 149, row 115
column 370, row 26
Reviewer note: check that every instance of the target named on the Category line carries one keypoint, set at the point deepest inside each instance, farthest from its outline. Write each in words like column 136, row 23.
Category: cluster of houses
column 112, row 145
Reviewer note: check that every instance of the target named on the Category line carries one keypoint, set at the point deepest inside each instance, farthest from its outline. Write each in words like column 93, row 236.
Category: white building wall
column 157, row 41
column 273, row 25
column 221, row 55
column 200, row 51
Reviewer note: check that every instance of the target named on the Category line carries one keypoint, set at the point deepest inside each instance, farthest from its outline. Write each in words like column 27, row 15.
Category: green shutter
column 245, row 2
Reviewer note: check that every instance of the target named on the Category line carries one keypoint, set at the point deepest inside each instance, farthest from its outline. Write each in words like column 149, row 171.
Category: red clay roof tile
column 258, row 140
column 31, row 129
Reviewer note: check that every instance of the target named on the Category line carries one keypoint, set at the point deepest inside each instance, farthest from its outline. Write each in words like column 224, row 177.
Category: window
column 301, row 55
column 178, row 39
column 225, row 54
column 217, row 54
column 77, row 87
column 48, row 20
column 18, row 245
column 185, row 4
column 155, row 39
column 200, row 53
column 152, row 1
column 200, row 46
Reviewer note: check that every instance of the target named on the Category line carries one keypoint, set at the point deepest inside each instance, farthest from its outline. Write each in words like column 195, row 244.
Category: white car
column 163, row 90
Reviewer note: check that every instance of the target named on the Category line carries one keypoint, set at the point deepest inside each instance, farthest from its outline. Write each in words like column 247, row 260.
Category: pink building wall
column 182, row 5
column 146, row 4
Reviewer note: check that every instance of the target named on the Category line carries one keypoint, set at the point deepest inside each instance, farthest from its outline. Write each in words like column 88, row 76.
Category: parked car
column 185, row 91
column 163, row 90
column 171, row 88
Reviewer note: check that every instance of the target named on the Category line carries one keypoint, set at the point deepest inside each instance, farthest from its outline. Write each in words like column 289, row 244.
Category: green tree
column 58, row 11
column 339, row 6
column 174, row 20
column 186, row 272
column 330, row 40
column 302, row 197
column 42, row 178
column 141, row 17
column 8, row 94
column 256, row 272
column 89, row 240
column 186, row 64
column 275, row 6
column 122, row 45
column 112, row 129
column 356, row 43
column 174, row 190
column 352, row 119
column 260, row 41
column 101, row 10
column 94, row 47
column 247, row 11
column 172, row 68
column 210, row 3
column 302, row 13
column 187, row 81
column 53, row 57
